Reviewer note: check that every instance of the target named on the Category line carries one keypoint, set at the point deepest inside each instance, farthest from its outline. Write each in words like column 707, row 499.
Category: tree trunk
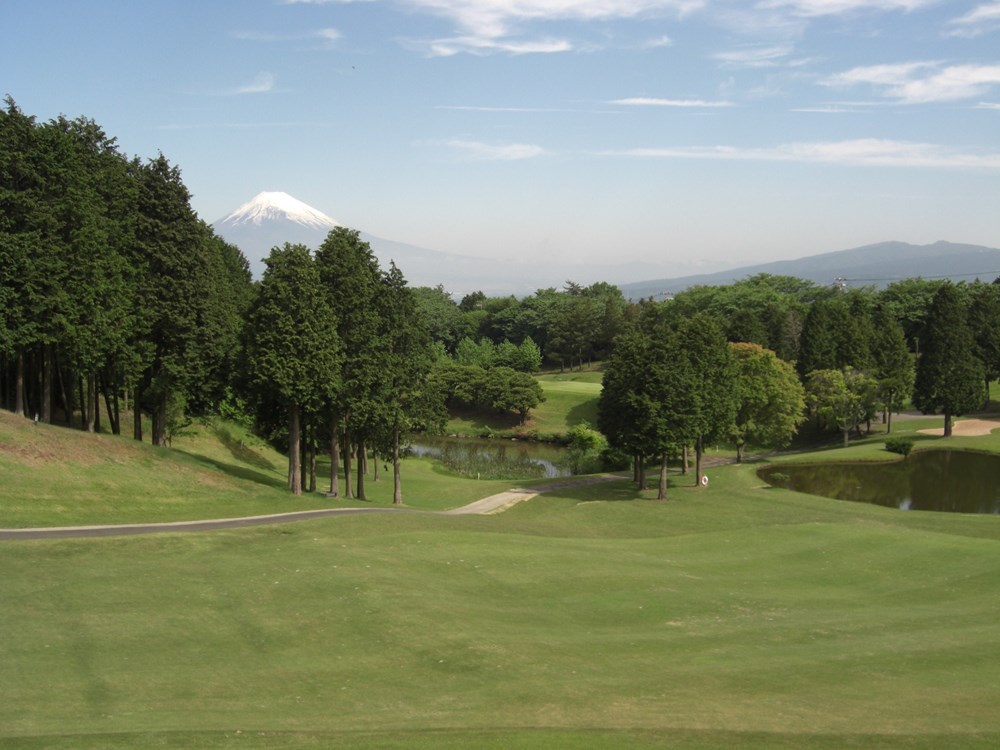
column 739, row 452
column 67, row 404
column 136, row 417
column 374, row 465
column 698, row 451
column 348, row 491
column 46, row 400
column 635, row 468
column 397, row 484
column 294, row 451
column 662, row 493
column 312, row 464
column 947, row 423
column 91, row 403
column 986, row 404
column 642, row 472
column 888, row 417
column 334, row 456
column 360, row 472
column 83, row 403
column 685, row 457
column 19, row 385
column 160, row 421
column 846, row 437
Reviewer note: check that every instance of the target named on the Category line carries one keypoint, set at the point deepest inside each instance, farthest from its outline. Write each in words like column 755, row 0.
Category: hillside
column 877, row 265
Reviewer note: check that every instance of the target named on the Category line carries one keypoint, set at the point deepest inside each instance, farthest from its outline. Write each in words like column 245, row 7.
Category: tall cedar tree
column 21, row 280
column 984, row 317
column 624, row 406
column 713, row 399
column 410, row 399
column 292, row 349
column 352, row 281
column 647, row 403
column 893, row 364
column 950, row 377
column 175, row 290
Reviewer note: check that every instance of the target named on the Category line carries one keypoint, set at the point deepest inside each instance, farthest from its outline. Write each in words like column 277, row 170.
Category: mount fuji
column 273, row 218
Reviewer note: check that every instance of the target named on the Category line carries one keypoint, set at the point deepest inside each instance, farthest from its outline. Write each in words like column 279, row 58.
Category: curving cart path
column 488, row 505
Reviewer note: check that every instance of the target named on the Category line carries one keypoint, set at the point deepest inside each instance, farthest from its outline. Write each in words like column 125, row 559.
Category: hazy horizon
column 698, row 134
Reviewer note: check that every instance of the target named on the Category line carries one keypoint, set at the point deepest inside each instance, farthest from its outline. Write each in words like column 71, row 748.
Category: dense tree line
column 111, row 287
column 113, row 290
column 115, row 298
column 849, row 355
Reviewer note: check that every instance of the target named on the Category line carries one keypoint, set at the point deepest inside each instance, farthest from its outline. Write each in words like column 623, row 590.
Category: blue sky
column 694, row 134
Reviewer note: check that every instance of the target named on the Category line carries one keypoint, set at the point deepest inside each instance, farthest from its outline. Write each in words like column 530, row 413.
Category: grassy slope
column 54, row 476
column 737, row 617
column 570, row 398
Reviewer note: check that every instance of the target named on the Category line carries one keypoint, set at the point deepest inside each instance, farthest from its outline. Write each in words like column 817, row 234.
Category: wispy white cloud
column 475, row 108
column 988, row 105
column 755, row 57
column 487, row 26
column 922, row 82
column 262, row 84
column 328, row 34
column 643, row 101
column 982, row 19
column 836, row 7
column 483, row 46
column 491, row 152
column 657, row 42
column 864, row 152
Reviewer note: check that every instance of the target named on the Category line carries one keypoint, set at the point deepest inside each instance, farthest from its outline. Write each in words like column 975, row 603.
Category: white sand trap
column 967, row 428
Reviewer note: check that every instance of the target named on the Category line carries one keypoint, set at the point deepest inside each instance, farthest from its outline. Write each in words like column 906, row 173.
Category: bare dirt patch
column 967, row 428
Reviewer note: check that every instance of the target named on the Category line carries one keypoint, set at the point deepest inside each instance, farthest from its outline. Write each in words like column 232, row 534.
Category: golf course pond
column 952, row 481
column 496, row 458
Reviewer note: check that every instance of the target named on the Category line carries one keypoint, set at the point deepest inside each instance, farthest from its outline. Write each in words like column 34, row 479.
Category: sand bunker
column 967, row 428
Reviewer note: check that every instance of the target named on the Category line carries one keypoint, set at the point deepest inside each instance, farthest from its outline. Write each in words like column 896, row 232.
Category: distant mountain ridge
column 870, row 265
column 274, row 218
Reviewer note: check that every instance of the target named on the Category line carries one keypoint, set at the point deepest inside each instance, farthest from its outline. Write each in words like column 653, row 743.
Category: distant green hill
column 877, row 265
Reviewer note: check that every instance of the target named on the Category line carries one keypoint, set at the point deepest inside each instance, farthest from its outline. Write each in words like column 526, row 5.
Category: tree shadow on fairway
column 606, row 492
column 584, row 412
column 239, row 472
column 481, row 421
column 240, row 451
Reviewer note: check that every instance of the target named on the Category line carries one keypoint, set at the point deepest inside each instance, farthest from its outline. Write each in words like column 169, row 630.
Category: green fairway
column 570, row 398
column 737, row 616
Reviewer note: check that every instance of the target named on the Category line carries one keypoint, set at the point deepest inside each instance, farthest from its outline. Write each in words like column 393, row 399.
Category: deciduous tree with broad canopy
column 770, row 398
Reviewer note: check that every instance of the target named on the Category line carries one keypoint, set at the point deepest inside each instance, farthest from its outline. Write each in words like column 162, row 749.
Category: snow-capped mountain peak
column 274, row 206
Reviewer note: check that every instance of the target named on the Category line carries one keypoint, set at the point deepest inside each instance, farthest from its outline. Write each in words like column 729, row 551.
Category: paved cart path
column 488, row 505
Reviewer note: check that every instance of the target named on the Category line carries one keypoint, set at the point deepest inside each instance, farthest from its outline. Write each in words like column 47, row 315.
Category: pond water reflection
column 942, row 480
column 495, row 459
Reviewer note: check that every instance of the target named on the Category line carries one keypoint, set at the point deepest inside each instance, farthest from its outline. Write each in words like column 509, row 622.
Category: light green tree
column 770, row 398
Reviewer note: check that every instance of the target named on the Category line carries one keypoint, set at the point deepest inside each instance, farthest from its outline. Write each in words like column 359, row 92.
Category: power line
column 842, row 280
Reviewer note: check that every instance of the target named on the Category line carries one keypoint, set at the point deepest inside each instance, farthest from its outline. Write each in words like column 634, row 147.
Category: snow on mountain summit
column 278, row 207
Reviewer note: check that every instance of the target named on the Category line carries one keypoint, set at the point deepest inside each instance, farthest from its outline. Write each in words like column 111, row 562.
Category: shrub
column 900, row 445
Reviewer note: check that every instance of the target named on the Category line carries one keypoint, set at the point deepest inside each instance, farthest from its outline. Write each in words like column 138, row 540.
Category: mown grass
column 54, row 476
column 570, row 398
column 733, row 616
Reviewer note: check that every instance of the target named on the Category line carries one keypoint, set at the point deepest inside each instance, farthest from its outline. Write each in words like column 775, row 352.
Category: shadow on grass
column 583, row 412
column 241, row 452
column 239, row 472
column 487, row 420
